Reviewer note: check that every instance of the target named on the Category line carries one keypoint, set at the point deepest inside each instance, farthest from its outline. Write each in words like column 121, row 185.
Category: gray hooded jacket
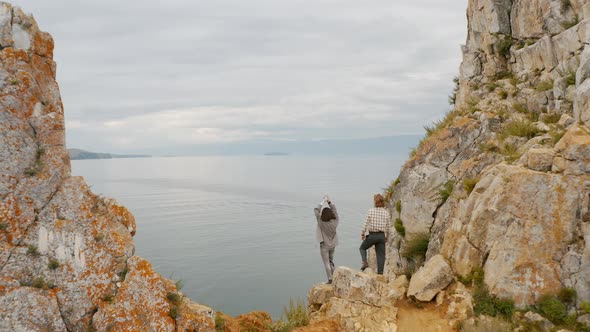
column 326, row 230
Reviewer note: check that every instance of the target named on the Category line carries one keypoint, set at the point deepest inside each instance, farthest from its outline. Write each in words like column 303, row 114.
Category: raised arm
column 333, row 207
column 316, row 211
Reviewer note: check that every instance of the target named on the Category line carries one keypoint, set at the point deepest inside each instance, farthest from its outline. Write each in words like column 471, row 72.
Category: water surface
column 239, row 231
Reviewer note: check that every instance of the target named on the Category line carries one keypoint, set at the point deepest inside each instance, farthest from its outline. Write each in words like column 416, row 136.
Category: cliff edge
column 67, row 258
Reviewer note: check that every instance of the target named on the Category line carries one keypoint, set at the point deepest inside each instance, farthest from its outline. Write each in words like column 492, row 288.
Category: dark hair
column 379, row 200
column 328, row 214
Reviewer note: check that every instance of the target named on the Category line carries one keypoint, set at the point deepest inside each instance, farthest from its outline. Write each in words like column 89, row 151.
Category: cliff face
column 66, row 255
column 503, row 182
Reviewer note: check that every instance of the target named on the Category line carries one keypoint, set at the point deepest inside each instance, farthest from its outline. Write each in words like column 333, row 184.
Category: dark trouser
column 376, row 239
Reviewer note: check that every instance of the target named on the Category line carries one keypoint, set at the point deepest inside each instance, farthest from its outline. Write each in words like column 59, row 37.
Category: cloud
column 138, row 73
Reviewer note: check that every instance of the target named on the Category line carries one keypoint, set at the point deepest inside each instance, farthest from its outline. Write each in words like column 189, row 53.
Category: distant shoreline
column 77, row 154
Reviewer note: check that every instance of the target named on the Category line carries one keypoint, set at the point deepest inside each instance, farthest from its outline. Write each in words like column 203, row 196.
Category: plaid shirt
column 377, row 220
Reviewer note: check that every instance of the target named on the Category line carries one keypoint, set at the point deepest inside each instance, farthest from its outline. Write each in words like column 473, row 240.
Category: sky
column 150, row 75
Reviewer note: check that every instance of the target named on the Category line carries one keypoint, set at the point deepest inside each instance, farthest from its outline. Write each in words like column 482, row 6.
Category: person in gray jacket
column 327, row 222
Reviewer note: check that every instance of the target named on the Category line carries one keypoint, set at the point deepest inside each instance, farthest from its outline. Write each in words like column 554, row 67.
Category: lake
column 240, row 231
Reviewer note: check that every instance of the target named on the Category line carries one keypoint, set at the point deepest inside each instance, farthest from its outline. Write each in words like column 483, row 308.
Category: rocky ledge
column 67, row 258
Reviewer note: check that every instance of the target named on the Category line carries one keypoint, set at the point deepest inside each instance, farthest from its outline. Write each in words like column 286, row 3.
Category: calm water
column 240, row 230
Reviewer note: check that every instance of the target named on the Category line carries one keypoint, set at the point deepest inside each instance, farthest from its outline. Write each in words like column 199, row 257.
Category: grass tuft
column 469, row 184
column 399, row 227
column 486, row 303
column 53, row 264
column 173, row 313
column 551, row 308
column 503, row 46
column 3, row 226
column 179, row 284
column 417, row 246
column 521, row 128
column 570, row 79
column 550, row 118
column 398, row 206
column 32, row 250
column 219, row 323
column 567, row 295
column 174, row 298
column 503, row 94
column 446, row 190
column 544, row 86
column 39, row 283
column 293, row 316
column 109, row 298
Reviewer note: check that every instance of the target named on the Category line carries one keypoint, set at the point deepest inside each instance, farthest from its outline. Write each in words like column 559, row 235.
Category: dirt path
column 427, row 319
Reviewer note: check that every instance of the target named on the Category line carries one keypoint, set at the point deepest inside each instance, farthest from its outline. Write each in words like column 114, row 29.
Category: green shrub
column 504, row 75
column 511, row 152
column 39, row 283
column 521, row 128
column 503, row 46
column 503, row 94
column 570, row 79
column 567, row 295
column 399, row 227
column 565, row 4
column 53, row 264
column 173, row 313
column 436, row 126
column 453, row 95
column 585, row 306
column 109, row 298
column 123, row 273
column 397, row 181
column 416, row 246
column 544, row 86
column 293, row 316
column 219, row 323
column 398, row 206
column 520, row 108
column 469, row 184
column 551, row 308
column 550, row 118
column 174, row 298
column 490, row 305
column 3, row 226
column 14, row 82
column 389, row 191
column 569, row 24
column 446, row 190
column 32, row 250
column 492, row 86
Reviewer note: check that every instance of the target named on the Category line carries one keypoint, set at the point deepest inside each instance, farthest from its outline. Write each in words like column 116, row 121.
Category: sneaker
column 329, row 282
column 364, row 267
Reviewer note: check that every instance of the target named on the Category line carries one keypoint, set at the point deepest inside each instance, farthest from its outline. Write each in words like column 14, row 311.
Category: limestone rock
column 354, row 285
column 323, row 326
column 433, row 277
column 76, row 247
column 584, row 319
column 460, row 304
column 141, row 303
column 540, row 159
column 318, row 295
column 539, row 321
column 566, row 121
column 28, row 308
column 573, row 152
column 357, row 316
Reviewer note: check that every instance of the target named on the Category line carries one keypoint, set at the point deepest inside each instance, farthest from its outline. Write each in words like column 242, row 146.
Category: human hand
column 363, row 237
column 326, row 198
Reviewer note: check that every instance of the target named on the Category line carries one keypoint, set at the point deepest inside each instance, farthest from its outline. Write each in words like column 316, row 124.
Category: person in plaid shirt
column 377, row 223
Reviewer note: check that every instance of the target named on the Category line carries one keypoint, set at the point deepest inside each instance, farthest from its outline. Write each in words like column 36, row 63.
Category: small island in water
column 78, row 154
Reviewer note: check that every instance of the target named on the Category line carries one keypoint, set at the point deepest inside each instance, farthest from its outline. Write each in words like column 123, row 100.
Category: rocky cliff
column 67, row 258
column 500, row 188
column 502, row 183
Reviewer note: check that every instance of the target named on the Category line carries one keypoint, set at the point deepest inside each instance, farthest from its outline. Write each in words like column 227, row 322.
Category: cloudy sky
column 146, row 75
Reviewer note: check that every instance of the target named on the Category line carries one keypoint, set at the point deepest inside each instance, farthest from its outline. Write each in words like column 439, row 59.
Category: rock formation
column 66, row 255
column 503, row 182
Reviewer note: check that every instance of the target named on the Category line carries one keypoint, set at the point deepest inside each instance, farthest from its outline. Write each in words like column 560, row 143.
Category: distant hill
column 78, row 154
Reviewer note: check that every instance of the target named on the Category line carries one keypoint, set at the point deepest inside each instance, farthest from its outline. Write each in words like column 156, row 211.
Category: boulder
column 318, row 295
column 354, row 285
column 539, row 321
column 357, row 316
column 584, row 320
column 540, row 159
column 430, row 279
column 573, row 152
